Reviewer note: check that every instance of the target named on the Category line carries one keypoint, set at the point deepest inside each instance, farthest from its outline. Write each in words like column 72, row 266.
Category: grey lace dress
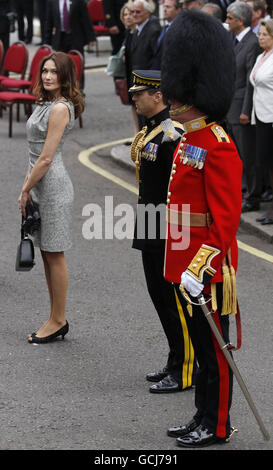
column 54, row 192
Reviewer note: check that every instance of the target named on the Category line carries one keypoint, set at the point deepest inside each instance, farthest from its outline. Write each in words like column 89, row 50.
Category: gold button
column 173, row 172
column 174, row 165
column 202, row 254
column 184, row 139
column 171, row 178
column 168, row 200
column 198, row 260
column 169, row 193
column 194, row 265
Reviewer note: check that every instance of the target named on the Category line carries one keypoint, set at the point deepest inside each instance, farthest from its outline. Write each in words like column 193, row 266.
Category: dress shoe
column 157, row 376
column 267, row 221
column 248, row 207
column 200, row 437
column 261, row 219
column 47, row 339
column 166, row 385
column 267, row 196
column 181, row 431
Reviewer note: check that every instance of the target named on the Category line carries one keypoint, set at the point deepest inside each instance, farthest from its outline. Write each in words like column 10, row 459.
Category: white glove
column 193, row 286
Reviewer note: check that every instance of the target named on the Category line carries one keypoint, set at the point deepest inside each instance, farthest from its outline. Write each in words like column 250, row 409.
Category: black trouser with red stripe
column 213, row 393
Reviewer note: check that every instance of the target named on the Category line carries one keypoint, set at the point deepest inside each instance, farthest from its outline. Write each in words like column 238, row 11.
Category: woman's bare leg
column 57, row 278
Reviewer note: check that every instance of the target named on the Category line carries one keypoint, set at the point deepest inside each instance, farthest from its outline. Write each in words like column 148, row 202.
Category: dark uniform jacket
column 80, row 23
column 154, row 174
column 111, row 10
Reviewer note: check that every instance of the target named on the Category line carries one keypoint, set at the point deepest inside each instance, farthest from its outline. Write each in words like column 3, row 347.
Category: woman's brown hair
column 66, row 71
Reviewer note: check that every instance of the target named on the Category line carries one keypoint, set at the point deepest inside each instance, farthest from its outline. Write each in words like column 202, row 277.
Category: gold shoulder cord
column 139, row 142
column 136, row 148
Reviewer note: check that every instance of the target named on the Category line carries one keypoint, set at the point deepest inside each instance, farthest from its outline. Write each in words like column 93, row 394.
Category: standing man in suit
column 171, row 8
column 112, row 10
column 4, row 23
column 246, row 48
column 68, row 26
column 145, row 35
column 42, row 6
column 152, row 151
column 24, row 8
column 144, row 39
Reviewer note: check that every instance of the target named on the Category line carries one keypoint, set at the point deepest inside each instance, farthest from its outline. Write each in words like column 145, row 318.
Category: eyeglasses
column 136, row 11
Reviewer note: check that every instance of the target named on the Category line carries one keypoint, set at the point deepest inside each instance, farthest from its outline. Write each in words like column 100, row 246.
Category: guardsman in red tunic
column 203, row 209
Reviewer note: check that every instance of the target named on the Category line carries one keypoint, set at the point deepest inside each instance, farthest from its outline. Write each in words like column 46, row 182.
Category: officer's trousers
column 181, row 362
column 214, row 379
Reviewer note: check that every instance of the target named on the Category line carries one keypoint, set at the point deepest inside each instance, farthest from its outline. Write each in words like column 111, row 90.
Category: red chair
column 96, row 13
column 9, row 98
column 77, row 58
column 15, row 60
column 20, row 84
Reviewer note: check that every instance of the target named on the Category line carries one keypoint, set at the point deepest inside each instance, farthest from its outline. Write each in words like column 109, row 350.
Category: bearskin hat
column 198, row 64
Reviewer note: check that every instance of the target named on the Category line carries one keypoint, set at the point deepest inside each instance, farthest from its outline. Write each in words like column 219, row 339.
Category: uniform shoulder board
column 219, row 133
column 178, row 125
column 170, row 134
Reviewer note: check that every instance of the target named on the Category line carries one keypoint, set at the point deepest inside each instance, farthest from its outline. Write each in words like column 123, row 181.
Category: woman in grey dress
column 48, row 183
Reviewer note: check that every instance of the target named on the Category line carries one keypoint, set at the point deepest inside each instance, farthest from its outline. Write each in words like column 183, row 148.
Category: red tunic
column 212, row 185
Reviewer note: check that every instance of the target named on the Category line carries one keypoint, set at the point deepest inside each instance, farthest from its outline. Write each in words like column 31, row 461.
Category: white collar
column 242, row 34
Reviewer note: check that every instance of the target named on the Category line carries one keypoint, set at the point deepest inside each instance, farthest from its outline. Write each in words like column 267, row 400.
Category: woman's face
column 128, row 18
column 50, row 78
column 265, row 39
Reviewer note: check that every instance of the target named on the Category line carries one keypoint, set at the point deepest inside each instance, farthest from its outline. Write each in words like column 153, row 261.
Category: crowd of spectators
column 140, row 26
column 249, row 121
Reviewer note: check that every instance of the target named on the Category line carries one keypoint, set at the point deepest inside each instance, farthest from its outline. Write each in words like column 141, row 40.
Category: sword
column 224, row 347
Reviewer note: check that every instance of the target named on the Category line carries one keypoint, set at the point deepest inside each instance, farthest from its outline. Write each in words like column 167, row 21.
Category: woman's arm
column 58, row 120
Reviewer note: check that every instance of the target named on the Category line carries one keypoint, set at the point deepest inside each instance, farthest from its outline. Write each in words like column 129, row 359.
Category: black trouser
column 24, row 8
column 66, row 44
column 181, row 363
column 214, row 379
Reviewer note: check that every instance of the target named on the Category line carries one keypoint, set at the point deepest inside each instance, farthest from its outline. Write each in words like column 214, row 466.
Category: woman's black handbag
column 30, row 224
column 25, row 254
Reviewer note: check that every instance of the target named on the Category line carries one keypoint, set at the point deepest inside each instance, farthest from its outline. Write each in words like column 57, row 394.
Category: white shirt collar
column 140, row 27
column 243, row 33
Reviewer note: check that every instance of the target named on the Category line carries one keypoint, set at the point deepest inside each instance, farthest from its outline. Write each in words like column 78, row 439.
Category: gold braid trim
column 229, row 287
column 136, row 147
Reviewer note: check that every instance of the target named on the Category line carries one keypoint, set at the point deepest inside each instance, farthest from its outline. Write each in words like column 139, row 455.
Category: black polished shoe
column 261, row 219
column 267, row 221
column 181, row 431
column 157, row 376
column 47, row 339
column 166, row 385
column 267, row 196
column 248, row 207
column 200, row 437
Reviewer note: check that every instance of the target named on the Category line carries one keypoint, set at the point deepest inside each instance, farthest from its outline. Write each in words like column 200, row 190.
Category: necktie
column 66, row 23
column 162, row 34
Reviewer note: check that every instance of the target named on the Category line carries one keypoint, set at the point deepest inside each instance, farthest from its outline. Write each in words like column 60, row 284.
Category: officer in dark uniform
column 152, row 151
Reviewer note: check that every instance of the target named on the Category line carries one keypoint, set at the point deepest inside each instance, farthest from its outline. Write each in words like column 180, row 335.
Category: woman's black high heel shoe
column 46, row 339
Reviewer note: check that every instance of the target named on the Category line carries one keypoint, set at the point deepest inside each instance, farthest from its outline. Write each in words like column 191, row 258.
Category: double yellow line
column 84, row 158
